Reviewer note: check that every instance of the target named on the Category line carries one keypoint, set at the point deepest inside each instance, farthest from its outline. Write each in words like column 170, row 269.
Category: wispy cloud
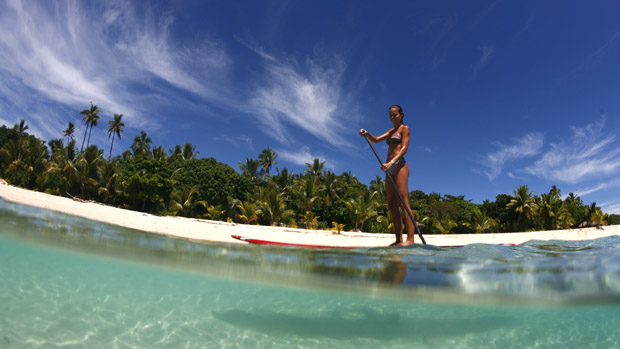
column 609, row 184
column 68, row 54
column 592, row 152
column 602, row 52
column 590, row 158
column 611, row 207
column 528, row 145
column 308, row 96
column 237, row 141
column 302, row 157
column 486, row 52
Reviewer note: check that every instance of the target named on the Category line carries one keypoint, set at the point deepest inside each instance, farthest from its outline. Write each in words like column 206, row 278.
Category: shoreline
column 217, row 231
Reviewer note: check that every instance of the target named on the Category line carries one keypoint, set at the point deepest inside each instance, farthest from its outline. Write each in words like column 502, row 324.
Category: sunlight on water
column 70, row 281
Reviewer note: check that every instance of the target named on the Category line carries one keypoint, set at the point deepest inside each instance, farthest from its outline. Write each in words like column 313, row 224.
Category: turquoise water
column 67, row 281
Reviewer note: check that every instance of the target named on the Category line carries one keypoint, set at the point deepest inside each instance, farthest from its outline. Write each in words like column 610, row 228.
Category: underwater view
column 69, row 281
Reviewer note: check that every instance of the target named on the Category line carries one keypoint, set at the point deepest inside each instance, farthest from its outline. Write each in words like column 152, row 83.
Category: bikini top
column 394, row 139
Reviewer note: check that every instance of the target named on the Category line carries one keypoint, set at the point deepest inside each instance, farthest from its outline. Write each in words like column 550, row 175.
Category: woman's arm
column 374, row 139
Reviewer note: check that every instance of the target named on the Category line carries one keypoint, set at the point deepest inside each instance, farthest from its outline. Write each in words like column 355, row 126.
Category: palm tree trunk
column 85, row 132
column 91, row 131
column 111, row 145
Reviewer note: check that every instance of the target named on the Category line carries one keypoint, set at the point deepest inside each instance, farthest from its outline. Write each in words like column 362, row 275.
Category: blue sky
column 497, row 94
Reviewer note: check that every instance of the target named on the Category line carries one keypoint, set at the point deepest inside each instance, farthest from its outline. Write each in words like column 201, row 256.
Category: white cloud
column 311, row 99
column 592, row 152
column 71, row 53
column 529, row 145
column 611, row 207
column 302, row 157
column 607, row 185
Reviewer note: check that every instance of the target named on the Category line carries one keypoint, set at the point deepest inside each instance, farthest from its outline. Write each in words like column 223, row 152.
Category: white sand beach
column 216, row 231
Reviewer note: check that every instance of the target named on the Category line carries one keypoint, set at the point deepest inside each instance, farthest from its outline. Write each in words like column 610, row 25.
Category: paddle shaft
column 402, row 200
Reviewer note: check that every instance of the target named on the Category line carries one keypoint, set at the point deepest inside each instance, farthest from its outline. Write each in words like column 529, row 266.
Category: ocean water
column 67, row 281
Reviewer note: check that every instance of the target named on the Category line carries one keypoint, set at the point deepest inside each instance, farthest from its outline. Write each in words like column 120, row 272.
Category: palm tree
column 338, row 226
column 481, row 223
column 310, row 220
column 21, row 127
column 283, row 179
column 565, row 218
column 69, row 131
column 116, row 127
column 267, row 159
column 522, row 203
column 555, row 192
column 189, row 152
column 215, row 212
column 56, row 146
column 91, row 118
column 363, row 208
column 250, row 168
column 88, row 172
column 333, row 187
column 307, row 190
column 574, row 205
column 444, row 226
column 550, row 208
column 594, row 216
column 107, row 180
column 573, row 199
column 248, row 211
column 159, row 154
column 378, row 185
column 273, row 206
column 316, row 168
column 25, row 158
column 183, row 201
column 141, row 144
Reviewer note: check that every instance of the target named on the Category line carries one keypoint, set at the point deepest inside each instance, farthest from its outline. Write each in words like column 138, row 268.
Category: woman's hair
column 400, row 109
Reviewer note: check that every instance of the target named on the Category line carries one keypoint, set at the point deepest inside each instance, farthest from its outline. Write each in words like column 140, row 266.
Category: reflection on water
column 67, row 281
column 538, row 271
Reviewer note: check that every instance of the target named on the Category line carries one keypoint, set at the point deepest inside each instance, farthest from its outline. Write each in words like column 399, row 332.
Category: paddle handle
column 402, row 200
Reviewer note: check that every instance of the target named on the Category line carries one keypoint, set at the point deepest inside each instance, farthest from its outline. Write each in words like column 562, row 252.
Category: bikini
column 395, row 139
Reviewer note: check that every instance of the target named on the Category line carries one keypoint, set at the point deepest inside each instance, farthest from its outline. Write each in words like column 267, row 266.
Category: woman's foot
column 406, row 243
column 396, row 243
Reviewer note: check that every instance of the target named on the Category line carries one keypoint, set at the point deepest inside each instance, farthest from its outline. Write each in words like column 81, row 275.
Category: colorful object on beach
column 267, row 242
column 292, row 244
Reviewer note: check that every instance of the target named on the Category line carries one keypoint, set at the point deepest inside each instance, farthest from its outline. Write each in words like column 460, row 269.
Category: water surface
column 70, row 281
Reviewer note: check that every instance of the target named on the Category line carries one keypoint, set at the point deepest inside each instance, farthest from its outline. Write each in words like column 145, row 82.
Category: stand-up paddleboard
column 267, row 242
column 279, row 243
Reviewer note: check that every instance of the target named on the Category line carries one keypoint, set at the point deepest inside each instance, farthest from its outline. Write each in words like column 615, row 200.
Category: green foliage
column 147, row 179
column 216, row 181
column 145, row 184
column 22, row 157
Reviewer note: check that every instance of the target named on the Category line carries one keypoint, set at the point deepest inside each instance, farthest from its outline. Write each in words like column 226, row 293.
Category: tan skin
column 397, row 151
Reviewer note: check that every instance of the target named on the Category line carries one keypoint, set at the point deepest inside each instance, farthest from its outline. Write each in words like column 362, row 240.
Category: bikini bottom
column 391, row 169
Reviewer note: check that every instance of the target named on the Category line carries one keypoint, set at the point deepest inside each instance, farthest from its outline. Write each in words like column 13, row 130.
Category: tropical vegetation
column 150, row 179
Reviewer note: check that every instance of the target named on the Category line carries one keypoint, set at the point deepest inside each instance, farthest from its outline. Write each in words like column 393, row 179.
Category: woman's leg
column 401, row 177
column 392, row 201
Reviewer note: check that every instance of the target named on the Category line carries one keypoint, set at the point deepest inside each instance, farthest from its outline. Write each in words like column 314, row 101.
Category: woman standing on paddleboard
column 397, row 139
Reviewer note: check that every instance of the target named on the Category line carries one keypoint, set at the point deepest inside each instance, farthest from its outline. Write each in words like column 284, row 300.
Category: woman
column 397, row 139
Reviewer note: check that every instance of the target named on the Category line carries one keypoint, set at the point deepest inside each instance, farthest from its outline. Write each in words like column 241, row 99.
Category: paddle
column 406, row 208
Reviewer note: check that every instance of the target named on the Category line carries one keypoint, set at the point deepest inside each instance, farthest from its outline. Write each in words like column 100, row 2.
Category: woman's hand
column 386, row 166
column 363, row 133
